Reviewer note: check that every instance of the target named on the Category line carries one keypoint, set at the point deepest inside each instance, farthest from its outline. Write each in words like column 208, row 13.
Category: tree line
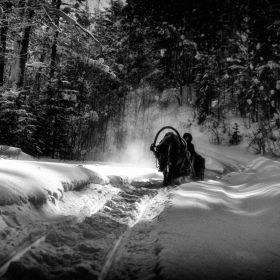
column 66, row 70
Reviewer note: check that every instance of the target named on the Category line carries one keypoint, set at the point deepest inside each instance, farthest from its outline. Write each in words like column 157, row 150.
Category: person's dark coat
column 197, row 160
column 190, row 146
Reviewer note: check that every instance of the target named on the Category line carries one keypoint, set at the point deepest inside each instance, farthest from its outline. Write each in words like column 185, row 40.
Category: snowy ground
column 65, row 221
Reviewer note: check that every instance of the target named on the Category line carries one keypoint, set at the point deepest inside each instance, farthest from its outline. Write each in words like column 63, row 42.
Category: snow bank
column 219, row 228
column 9, row 152
column 128, row 173
column 22, row 181
column 261, row 172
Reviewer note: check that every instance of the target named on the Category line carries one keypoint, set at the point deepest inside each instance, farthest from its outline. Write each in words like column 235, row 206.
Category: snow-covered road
column 104, row 230
column 76, row 232
column 82, row 250
column 125, row 225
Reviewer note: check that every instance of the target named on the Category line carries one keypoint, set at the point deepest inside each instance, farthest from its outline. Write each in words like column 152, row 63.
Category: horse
column 171, row 159
column 174, row 159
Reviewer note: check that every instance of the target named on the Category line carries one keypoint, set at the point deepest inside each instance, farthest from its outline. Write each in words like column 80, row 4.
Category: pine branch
column 68, row 19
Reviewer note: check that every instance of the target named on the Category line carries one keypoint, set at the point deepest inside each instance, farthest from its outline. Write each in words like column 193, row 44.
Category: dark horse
column 174, row 159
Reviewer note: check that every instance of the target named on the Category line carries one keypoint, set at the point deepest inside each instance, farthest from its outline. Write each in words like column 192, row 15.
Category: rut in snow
column 81, row 251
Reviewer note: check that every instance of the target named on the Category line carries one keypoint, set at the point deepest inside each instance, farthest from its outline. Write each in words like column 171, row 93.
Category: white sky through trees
column 93, row 3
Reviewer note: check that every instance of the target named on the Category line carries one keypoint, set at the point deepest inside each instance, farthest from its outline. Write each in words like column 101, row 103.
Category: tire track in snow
column 40, row 230
column 119, row 242
column 110, row 257
column 82, row 251
column 93, row 248
column 136, row 255
column 229, row 164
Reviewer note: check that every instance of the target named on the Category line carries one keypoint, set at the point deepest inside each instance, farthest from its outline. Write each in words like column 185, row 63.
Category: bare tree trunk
column 181, row 95
column 17, row 46
column 105, row 134
column 54, row 137
column 37, row 83
column 2, row 54
column 23, row 53
column 136, row 116
column 56, row 4
column 3, row 40
column 21, row 44
column 143, row 115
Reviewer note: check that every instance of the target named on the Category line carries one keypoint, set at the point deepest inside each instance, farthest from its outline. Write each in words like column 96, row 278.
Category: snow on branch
column 96, row 64
column 68, row 19
column 37, row 64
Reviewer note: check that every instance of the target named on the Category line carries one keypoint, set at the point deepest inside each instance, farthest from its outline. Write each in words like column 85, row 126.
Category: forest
column 78, row 81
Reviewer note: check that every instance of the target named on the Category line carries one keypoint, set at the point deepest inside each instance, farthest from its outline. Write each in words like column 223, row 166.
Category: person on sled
column 190, row 146
column 197, row 161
